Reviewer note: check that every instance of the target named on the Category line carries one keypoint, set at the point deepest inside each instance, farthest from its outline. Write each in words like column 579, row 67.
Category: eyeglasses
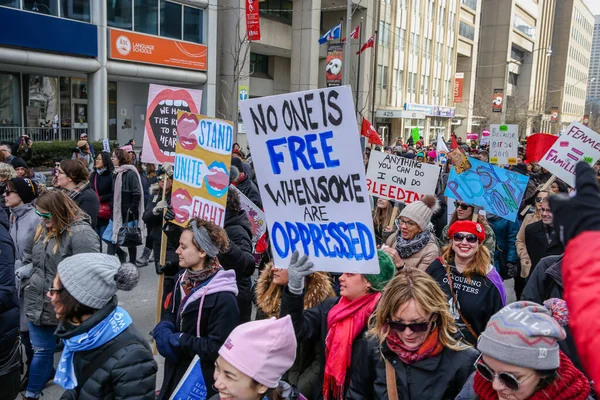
column 419, row 327
column 459, row 237
column 462, row 206
column 508, row 380
column 407, row 222
column 56, row 165
column 56, row 290
column 60, row 172
column 539, row 199
column 43, row 215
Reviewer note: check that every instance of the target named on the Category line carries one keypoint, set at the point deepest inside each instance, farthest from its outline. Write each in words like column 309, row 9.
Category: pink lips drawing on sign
column 186, row 125
column 218, row 180
column 182, row 203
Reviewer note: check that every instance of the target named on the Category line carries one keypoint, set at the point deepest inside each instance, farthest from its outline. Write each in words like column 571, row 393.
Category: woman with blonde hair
column 477, row 291
column 413, row 351
column 464, row 212
column 7, row 172
column 382, row 213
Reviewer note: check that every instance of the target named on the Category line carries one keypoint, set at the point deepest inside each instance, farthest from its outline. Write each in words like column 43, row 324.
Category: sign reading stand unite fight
column 308, row 162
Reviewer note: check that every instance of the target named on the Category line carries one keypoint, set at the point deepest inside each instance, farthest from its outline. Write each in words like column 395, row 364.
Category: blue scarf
column 109, row 328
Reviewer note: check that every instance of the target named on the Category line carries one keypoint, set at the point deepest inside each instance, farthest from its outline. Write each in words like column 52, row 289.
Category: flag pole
column 346, row 65
column 359, row 53
column 374, row 84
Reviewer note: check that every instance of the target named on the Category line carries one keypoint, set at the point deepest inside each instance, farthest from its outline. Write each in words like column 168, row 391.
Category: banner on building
column 577, row 143
column 400, row 179
column 309, row 166
column 333, row 64
column 201, row 168
column 160, row 133
column 459, row 80
column 252, row 20
column 554, row 115
column 537, row 146
column 498, row 100
column 504, row 144
column 499, row 191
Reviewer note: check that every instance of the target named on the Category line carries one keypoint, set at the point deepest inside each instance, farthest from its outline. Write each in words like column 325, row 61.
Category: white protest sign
column 504, row 144
column 400, row 179
column 105, row 145
column 309, row 166
column 577, row 143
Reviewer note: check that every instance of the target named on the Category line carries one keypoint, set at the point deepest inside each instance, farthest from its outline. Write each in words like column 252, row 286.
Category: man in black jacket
column 239, row 255
column 541, row 239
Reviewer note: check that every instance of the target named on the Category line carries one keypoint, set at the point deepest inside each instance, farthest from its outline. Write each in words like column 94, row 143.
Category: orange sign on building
column 459, row 79
column 131, row 46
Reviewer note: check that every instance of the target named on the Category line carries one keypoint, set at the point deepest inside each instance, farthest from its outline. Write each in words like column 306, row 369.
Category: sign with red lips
column 160, row 135
column 201, row 168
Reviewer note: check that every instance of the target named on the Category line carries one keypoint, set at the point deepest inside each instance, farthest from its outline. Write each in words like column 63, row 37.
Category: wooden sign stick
column 162, row 261
column 545, row 187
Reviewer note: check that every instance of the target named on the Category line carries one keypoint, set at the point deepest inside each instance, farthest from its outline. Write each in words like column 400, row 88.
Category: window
column 513, row 78
column 466, row 30
column 517, row 54
column 259, row 63
column 384, row 81
column 470, row 3
column 75, row 9
column 146, row 17
column 9, row 3
column 119, row 14
column 524, row 27
column 49, row 7
column 192, row 24
column 10, row 100
column 278, row 9
column 170, row 19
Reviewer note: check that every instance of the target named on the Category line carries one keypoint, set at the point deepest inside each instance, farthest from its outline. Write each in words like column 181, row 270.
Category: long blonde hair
column 63, row 211
column 479, row 264
column 381, row 216
column 409, row 284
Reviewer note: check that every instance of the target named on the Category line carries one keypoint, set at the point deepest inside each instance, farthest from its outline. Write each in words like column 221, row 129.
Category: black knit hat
column 25, row 188
column 18, row 162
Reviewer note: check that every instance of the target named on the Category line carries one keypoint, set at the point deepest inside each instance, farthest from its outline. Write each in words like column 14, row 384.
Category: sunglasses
column 508, row 380
column 416, row 328
column 54, row 290
column 56, row 165
column 43, row 215
column 539, row 199
column 459, row 237
column 462, row 206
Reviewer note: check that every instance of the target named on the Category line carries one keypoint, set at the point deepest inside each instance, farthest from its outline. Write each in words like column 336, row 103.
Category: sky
column 594, row 5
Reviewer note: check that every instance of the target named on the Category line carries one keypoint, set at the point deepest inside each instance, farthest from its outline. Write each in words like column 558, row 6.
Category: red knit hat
column 467, row 226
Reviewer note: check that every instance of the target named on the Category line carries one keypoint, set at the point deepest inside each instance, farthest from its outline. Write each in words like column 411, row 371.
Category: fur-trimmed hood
column 268, row 295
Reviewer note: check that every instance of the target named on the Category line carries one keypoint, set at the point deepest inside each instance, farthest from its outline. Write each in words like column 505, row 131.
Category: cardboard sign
column 499, row 191
column 192, row 385
column 459, row 160
column 201, row 168
column 504, row 144
column 105, row 145
column 258, row 222
column 537, row 146
column 309, row 166
column 485, row 138
column 400, row 179
column 416, row 136
column 577, row 143
column 160, row 134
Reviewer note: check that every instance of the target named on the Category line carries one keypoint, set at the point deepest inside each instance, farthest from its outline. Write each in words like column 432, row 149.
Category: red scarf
column 239, row 178
column 431, row 347
column 345, row 321
column 570, row 385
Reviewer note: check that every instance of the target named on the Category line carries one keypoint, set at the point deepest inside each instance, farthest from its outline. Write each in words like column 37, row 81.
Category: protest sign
column 485, row 138
column 459, row 160
column 504, row 144
column 258, row 222
column 537, row 146
column 472, row 136
column 577, row 143
column 400, row 179
column 309, row 166
column 201, row 168
column 192, row 385
column 416, row 136
column 160, row 133
column 105, row 145
column 497, row 190
column 441, row 151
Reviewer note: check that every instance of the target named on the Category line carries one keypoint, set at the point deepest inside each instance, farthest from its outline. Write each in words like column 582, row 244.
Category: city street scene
column 299, row 199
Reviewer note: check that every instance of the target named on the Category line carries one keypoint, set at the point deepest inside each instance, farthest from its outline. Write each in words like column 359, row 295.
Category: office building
column 593, row 90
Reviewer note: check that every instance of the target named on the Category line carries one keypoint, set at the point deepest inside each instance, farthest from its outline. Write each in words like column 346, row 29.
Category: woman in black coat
column 73, row 179
column 101, row 181
column 104, row 356
column 198, row 321
column 541, row 239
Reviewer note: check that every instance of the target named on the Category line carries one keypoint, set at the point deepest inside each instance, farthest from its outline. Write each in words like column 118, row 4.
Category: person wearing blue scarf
column 113, row 359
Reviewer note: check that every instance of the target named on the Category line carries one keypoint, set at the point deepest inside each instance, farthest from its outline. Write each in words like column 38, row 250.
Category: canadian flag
column 353, row 35
column 368, row 130
column 368, row 43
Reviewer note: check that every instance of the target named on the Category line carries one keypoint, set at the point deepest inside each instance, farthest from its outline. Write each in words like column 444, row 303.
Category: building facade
column 68, row 67
column 593, row 90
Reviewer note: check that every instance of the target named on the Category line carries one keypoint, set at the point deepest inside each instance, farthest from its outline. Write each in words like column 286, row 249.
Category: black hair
column 72, row 310
column 547, row 377
column 107, row 161
column 233, row 202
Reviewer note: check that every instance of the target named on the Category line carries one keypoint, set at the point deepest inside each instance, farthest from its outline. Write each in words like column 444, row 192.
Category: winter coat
column 304, row 372
column 88, row 201
column 38, row 178
column 218, row 317
column 311, row 325
column 546, row 283
column 506, row 236
column 101, row 183
column 536, row 241
column 154, row 225
column 87, row 158
column 9, row 305
column 77, row 238
column 422, row 258
column 520, row 244
column 250, row 190
column 131, row 193
column 489, row 242
column 440, row 378
column 240, row 259
column 130, row 373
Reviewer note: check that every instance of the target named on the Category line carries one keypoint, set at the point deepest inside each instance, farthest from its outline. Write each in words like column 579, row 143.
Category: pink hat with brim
column 263, row 350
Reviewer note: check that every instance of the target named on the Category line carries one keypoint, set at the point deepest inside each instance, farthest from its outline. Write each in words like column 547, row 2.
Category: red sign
column 459, row 80
column 554, row 115
column 498, row 100
column 537, row 146
column 252, row 20
column 333, row 64
column 131, row 46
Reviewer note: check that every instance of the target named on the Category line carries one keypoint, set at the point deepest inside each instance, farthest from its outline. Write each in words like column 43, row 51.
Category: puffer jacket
column 79, row 237
column 88, row 201
column 9, row 305
column 440, row 378
column 506, row 235
column 130, row 373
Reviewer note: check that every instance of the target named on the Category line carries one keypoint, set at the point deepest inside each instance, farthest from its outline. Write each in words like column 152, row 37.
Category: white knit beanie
column 421, row 211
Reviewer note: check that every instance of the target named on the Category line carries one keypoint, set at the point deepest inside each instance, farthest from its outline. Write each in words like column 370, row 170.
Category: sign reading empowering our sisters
column 577, row 143
column 309, row 166
column 400, row 179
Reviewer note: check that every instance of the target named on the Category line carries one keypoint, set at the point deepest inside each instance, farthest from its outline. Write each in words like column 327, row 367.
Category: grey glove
column 22, row 274
column 299, row 268
column 159, row 207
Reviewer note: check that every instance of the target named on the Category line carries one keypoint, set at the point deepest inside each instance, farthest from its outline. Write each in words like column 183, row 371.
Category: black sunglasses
column 459, row 237
column 539, row 199
column 416, row 328
column 462, row 206
column 508, row 380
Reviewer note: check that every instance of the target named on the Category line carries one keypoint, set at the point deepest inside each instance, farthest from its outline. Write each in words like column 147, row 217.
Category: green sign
column 415, row 135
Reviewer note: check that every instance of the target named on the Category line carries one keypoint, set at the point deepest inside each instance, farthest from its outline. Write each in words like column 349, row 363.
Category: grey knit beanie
column 524, row 334
column 421, row 211
column 94, row 278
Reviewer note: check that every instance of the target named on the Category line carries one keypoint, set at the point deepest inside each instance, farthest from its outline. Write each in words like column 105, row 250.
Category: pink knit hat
column 263, row 350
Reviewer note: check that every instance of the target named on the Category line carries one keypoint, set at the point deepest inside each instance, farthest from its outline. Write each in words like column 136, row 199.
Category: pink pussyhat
column 263, row 350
